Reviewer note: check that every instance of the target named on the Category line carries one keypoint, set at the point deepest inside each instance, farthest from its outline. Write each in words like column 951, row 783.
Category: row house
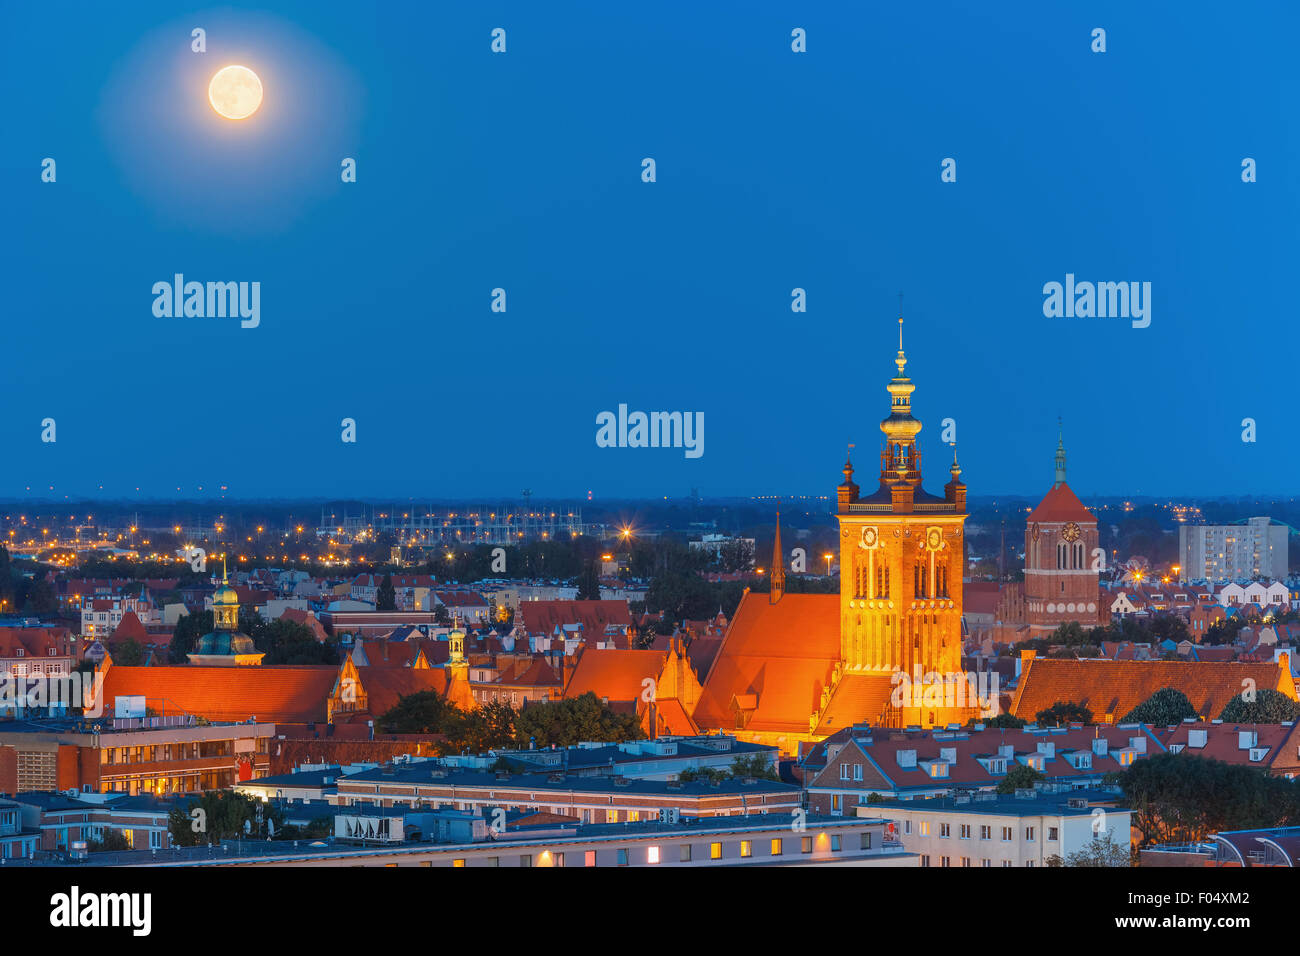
column 985, row 830
column 138, row 755
column 846, row 769
column 588, row 799
column 60, row 822
column 1257, row 593
column 1273, row 748
column 100, row 616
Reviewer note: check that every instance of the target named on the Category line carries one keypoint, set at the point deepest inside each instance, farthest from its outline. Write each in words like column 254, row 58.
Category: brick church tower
column 901, row 563
column 1062, row 559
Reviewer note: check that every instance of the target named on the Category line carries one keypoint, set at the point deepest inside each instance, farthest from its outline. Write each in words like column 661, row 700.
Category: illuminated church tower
column 901, row 563
column 224, row 645
column 1062, row 559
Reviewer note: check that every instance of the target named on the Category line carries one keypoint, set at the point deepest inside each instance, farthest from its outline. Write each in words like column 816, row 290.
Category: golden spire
column 901, row 361
column 899, row 459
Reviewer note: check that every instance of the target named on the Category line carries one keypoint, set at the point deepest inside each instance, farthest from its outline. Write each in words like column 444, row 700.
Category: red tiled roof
column 702, row 653
column 1116, row 687
column 981, row 597
column 1061, row 504
column 290, row 693
column 537, row 674
column 615, row 673
column 673, row 719
column 856, row 698
column 385, row 686
column 306, row 619
column 543, row 617
column 781, row 653
column 461, row 599
column 34, row 641
column 1223, row 742
column 877, row 748
column 131, row 629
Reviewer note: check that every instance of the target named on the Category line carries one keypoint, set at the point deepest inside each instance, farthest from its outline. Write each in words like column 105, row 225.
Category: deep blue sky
column 775, row 170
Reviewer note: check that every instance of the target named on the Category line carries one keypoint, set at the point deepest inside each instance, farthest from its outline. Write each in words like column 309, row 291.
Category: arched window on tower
column 1078, row 555
column 1060, row 557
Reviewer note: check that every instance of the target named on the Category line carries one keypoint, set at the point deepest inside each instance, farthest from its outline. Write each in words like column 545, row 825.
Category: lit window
column 805, row 845
column 589, row 858
column 456, row 862
column 715, row 851
column 746, row 848
column 776, row 846
column 652, row 854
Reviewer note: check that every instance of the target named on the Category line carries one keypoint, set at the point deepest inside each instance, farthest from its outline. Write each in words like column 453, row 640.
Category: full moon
column 235, row 92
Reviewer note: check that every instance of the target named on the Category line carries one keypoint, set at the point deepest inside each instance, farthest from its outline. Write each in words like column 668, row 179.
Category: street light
column 828, row 557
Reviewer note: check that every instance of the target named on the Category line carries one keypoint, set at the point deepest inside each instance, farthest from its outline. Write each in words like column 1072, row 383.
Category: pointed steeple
column 847, row 492
column 899, row 462
column 1060, row 454
column 955, row 490
column 778, row 563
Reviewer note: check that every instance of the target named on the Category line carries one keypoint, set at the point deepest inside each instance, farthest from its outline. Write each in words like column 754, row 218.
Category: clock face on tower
column 1070, row 532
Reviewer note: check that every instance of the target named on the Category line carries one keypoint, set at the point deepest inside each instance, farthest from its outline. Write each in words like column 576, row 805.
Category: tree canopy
column 499, row 725
column 1062, row 713
column 1266, row 706
column 1019, row 777
column 1180, row 798
column 1165, row 707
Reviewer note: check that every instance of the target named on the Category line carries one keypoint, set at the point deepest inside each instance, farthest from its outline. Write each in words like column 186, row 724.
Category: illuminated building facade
column 796, row 668
column 1063, row 560
column 901, row 563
